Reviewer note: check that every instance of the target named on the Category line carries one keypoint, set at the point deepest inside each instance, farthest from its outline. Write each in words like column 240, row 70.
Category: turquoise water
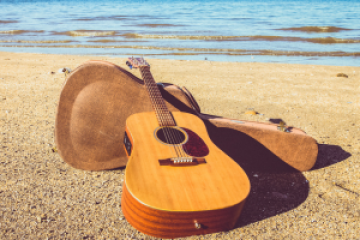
column 306, row 32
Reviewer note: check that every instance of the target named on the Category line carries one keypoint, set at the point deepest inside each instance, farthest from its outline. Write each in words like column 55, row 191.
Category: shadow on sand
column 329, row 155
column 275, row 186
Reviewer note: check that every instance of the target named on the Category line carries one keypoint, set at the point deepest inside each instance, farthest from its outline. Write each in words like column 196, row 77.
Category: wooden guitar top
column 217, row 184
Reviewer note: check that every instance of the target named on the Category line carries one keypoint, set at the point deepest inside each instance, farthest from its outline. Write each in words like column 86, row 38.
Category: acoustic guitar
column 177, row 181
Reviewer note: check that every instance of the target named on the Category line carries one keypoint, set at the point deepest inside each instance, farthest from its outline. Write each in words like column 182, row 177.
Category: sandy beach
column 42, row 197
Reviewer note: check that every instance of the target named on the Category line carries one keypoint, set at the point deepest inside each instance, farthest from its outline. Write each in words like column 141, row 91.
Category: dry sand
column 43, row 197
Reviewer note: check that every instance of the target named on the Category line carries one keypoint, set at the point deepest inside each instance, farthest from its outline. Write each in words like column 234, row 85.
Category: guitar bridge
column 181, row 161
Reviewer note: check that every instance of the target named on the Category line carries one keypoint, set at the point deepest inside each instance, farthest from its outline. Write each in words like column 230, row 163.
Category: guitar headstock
column 138, row 62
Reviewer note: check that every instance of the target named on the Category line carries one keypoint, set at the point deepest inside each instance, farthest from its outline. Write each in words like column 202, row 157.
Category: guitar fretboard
column 163, row 114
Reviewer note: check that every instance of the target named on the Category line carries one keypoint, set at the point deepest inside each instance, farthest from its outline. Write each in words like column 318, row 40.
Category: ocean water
column 306, row 32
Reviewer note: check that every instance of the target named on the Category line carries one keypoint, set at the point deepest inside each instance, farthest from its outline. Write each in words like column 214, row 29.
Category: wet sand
column 43, row 197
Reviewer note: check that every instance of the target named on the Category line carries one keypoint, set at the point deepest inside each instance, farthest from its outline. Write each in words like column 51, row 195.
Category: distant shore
column 45, row 197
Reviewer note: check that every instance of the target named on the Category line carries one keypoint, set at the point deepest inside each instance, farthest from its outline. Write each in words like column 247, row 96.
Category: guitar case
column 98, row 97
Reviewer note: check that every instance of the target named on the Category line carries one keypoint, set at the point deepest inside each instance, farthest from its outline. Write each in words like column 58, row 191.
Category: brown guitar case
column 99, row 96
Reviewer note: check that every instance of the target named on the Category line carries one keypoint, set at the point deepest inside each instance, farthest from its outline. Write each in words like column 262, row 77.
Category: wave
column 7, row 21
column 186, row 37
column 17, row 32
column 99, row 33
column 97, row 19
column 199, row 51
column 85, row 19
column 12, row 32
column 139, row 16
column 239, row 18
column 330, row 40
column 114, row 41
column 326, row 40
column 158, row 25
column 118, row 18
column 317, row 29
column 87, row 33
column 40, row 41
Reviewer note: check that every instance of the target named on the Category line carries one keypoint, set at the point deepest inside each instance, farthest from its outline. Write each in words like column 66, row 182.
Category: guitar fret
column 162, row 112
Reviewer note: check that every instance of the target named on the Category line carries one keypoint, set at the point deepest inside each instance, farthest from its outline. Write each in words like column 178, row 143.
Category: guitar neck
column 162, row 112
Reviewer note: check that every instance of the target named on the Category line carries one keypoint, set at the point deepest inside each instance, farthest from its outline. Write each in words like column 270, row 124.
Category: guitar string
column 166, row 121
column 160, row 110
column 175, row 136
column 163, row 121
column 152, row 98
column 159, row 104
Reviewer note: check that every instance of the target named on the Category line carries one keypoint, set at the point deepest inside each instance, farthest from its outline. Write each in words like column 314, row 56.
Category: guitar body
column 178, row 200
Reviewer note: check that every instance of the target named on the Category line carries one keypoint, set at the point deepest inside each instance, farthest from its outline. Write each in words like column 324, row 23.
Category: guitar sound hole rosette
column 171, row 135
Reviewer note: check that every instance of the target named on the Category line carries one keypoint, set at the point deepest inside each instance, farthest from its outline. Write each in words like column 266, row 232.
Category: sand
column 43, row 197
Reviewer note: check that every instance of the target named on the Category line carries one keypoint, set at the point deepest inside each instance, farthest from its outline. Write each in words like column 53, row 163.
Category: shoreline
column 52, row 199
column 336, row 58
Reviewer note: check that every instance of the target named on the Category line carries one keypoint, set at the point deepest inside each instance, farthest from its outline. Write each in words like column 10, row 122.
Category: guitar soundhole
column 171, row 135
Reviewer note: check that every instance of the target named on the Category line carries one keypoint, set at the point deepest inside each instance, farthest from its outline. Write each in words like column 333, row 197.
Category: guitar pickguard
column 195, row 146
